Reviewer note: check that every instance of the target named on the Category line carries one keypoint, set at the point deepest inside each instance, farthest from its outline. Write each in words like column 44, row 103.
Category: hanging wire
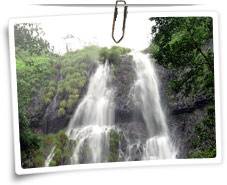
column 115, row 18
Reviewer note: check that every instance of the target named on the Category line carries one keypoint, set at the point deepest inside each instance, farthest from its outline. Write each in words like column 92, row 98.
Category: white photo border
column 17, row 153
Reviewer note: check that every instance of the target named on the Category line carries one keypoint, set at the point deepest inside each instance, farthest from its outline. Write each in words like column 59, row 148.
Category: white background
column 187, row 175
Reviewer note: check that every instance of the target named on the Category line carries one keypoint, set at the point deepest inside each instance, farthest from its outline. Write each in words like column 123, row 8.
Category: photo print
column 82, row 99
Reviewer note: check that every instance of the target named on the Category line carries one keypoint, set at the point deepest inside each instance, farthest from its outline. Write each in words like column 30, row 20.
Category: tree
column 29, row 37
column 33, row 66
column 184, row 45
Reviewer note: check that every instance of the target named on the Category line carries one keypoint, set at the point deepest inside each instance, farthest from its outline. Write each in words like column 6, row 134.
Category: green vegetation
column 41, row 73
column 184, row 45
column 114, row 146
column 181, row 44
column 74, row 75
column 33, row 63
column 204, row 143
column 113, row 54
column 44, row 77
column 62, row 151
column 63, row 148
column 29, row 38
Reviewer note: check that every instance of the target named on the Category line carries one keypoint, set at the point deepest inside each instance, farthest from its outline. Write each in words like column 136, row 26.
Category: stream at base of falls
column 93, row 122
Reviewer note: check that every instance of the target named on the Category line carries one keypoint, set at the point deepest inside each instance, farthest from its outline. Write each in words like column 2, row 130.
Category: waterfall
column 93, row 119
column 147, row 98
column 49, row 157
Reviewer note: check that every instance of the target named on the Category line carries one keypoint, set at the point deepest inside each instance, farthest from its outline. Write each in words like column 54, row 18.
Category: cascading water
column 90, row 126
column 49, row 157
column 147, row 98
column 93, row 119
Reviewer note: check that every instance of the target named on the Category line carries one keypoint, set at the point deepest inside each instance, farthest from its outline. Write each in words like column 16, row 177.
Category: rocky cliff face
column 183, row 113
column 45, row 118
column 127, row 116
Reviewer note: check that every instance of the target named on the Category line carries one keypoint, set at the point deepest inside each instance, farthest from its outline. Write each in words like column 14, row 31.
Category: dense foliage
column 29, row 37
column 33, row 63
column 44, row 78
column 62, row 148
column 184, row 46
column 114, row 146
column 113, row 54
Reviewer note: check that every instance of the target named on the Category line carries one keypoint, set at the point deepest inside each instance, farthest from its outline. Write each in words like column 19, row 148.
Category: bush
column 114, row 146
column 204, row 142
column 113, row 54
column 61, row 112
column 182, row 44
column 207, row 153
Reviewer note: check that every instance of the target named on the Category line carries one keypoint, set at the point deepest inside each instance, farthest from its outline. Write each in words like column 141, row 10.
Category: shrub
column 114, row 146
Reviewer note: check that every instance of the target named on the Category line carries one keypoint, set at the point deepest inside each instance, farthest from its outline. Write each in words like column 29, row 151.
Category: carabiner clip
column 115, row 18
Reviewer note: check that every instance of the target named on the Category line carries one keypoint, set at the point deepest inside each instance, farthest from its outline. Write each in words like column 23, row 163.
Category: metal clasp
column 115, row 18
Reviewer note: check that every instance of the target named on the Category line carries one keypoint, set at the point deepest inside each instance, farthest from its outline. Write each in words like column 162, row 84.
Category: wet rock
column 45, row 118
column 182, row 113
column 124, row 77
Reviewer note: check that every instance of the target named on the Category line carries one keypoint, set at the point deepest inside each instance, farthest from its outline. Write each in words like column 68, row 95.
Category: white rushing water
column 147, row 98
column 49, row 157
column 93, row 119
